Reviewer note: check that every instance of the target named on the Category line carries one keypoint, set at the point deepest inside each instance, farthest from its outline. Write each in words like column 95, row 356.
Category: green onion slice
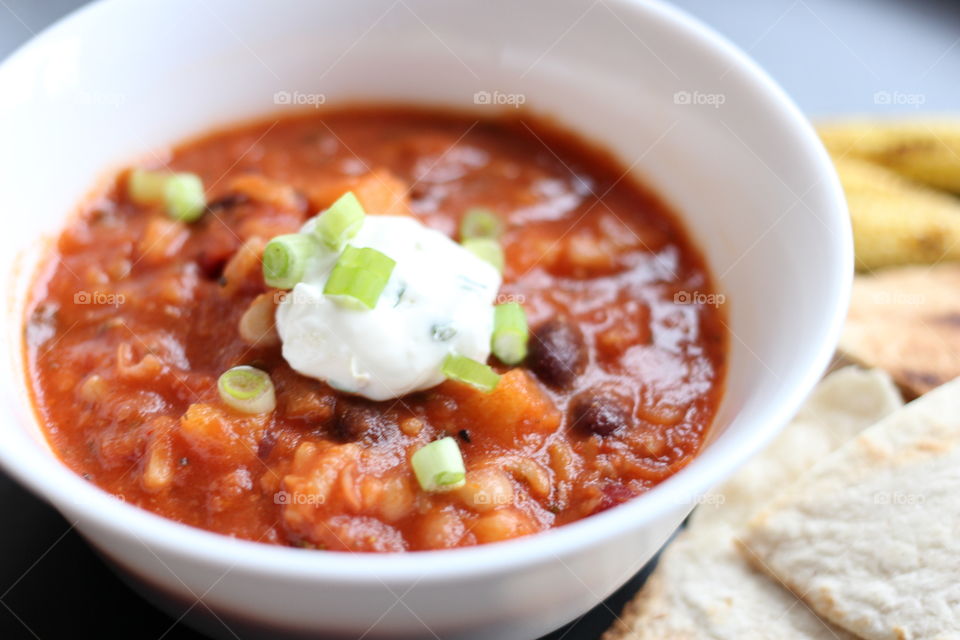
column 439, row 466
column 486, row 249
column 146, row 187
column 247, row 390
column 341, row 221
column 181, row 193
column 184, row 197
column 285, row 259
column 480, row 223
column 359, row 277
column 510, row 333
column 469, row 371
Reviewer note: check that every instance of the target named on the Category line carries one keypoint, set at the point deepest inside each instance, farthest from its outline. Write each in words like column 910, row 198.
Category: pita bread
column 841, row 406
column 869, row 537
column 907, row 321
column 702, row 587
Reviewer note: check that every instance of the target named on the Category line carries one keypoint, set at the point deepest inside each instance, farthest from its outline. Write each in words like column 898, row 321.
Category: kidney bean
column 598, row 412
column 557, row 354
column 360, row 420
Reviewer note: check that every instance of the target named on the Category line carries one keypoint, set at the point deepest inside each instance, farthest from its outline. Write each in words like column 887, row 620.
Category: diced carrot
column 219, row 435
column 380, row 192
column 517, row 408
column 323, row 193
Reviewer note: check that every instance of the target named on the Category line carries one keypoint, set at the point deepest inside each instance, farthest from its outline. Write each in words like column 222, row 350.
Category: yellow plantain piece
column 896, row 221
column 926, row 151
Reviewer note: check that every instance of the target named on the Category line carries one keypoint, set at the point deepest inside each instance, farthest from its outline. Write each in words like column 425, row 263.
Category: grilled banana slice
column 896, row 221
column 926, row 151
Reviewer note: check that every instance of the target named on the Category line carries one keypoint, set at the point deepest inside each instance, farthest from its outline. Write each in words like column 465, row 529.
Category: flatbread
column 845, row 403
column 702, row 587
column 907, row 321
column 869, row 537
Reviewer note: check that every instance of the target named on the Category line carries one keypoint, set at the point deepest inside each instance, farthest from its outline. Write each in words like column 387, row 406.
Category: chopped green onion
column 285, row 259
column 341, row 221
column 480, row 223
column 184, row 197
column 181, row 193
column 439, row 466
column 510, row 333
column 247, row 390
column 359, row 277
column 487, row 250
column 146, row 187
column 469, row 371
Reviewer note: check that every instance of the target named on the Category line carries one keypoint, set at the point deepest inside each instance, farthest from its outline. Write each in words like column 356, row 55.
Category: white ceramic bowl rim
column 52, row 480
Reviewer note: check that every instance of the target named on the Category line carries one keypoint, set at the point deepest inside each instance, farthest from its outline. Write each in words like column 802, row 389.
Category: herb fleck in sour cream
column 439, row 300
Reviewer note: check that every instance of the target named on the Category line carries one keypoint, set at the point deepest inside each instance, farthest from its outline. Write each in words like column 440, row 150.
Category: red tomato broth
column 134, row 317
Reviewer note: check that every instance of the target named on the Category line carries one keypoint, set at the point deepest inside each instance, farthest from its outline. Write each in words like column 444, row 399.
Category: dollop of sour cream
column 439, row 300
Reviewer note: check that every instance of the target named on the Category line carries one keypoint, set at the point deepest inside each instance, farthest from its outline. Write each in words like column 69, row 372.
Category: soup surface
column 135, row 316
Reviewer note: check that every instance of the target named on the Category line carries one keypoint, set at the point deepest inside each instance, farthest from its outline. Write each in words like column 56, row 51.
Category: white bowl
column 683, row 109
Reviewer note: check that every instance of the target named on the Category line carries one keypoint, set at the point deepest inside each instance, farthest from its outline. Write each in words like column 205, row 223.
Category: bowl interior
column 684, row 112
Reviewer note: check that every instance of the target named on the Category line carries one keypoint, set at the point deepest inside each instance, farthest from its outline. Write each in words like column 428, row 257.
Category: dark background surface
column 832, row 56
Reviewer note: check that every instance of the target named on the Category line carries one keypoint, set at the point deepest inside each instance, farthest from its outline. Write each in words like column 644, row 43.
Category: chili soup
column 377, row 329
